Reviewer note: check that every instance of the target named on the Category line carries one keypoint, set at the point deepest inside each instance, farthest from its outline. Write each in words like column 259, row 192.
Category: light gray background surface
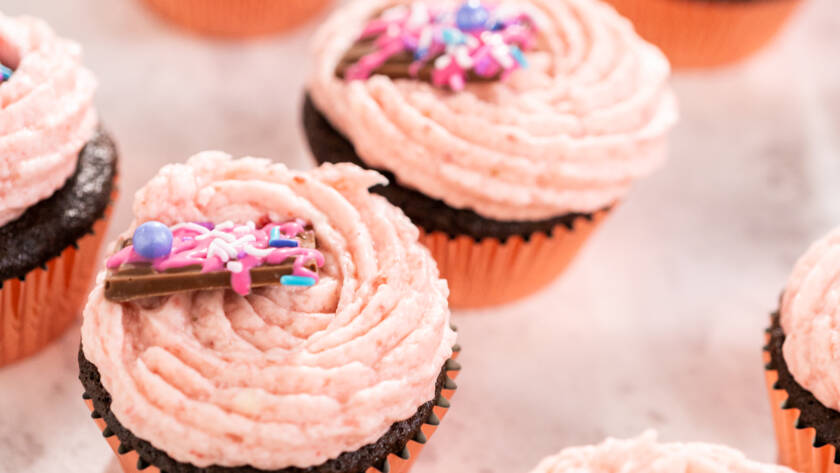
column 659, row 324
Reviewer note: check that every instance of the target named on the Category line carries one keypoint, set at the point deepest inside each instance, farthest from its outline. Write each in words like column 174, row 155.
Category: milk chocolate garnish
column 140, row 280
column 397, row 66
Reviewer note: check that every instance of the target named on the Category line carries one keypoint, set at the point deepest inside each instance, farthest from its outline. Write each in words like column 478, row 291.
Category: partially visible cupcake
column 237, row 18
column 57, row 172
column 508, row 130
column 803, row 361
column 706, row 33
column 645, row 455
column 258, row 319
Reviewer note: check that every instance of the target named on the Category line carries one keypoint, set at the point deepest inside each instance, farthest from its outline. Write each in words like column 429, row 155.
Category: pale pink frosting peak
column 645, row 455
column 568, row 134
column 810, row 319
column 285, row 376
column 46, row 113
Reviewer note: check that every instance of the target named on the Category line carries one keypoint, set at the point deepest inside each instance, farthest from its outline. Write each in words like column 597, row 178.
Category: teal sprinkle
column 453, row 37
column 297, row 281
column 520, row 58
column 5, row 72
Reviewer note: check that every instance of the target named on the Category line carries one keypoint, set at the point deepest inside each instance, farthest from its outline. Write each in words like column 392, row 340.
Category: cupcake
column 57, row 172
column 706, row 33
column 803, row 364
column 645, row 455
column 237, row 18
column 257, row 319
column 508, row 130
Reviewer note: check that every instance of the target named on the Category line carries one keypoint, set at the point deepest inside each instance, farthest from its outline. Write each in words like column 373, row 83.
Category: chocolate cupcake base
column 49, row 254
column 486, row 262
column 807, row 432
column 328, row 145
column 392, row 453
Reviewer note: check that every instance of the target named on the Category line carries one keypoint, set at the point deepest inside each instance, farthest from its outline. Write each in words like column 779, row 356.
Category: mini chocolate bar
column 204, row 257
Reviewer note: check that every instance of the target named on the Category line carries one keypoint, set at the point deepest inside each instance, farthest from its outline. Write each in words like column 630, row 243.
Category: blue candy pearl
column 472, row 16
column 152, row 240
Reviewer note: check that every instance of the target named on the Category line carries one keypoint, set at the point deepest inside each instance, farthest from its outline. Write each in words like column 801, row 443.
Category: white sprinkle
column 258, row 252
column 462, row 57
column 215, row 250
column 502, row 55
column 395, row 13
column 443, row 62
column 235, row 267
column 217, row 234
column 225, row 225
column 191, row 226
column 425, row 40
column 244, row 239
column 419, row 15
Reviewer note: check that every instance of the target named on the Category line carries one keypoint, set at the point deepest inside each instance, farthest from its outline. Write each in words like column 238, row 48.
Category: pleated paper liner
column 237, row 18
column 798, row 448
column 491, row 272
column 37, row 309
column 397, row 462
column 707, row 33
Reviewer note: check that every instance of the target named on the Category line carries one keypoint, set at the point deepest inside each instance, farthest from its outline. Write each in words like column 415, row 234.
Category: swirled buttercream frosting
column 46, row 113
column 810, row 320
column 568, row 133
column 285, row 376
column 645, row 455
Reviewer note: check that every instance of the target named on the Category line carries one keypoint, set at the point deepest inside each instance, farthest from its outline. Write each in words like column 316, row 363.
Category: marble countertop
column 659, row 324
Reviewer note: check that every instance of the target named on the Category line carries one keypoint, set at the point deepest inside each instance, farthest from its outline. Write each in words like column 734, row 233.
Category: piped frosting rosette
column 285, row 376
column 569, row 133
column 645, row 455
column 46, row 113
column 810, row 319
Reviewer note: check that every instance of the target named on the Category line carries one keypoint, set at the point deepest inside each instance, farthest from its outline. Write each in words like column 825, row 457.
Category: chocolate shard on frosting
column 444, row 46
column 397, row 66
column 140, row 280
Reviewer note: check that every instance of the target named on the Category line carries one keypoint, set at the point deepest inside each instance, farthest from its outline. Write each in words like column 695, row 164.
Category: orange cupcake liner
column 491, row 272
column 796, row 443
column 237, row 18
column 707, row 33
column 36, row 310
column 395, row 463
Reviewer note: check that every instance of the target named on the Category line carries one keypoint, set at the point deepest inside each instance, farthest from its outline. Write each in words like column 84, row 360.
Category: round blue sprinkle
column 152, row 240
column 472, row 16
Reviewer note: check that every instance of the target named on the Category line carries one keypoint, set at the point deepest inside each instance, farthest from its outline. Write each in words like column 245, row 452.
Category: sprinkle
column 297, row 281
column 278, row 241
column 198, row 228
column 5, row 73
column 519, row 56
column 453, row 37
column 234, row 267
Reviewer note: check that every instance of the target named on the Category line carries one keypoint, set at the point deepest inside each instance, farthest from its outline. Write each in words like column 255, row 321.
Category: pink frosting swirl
column 810, row 319
column 46, row 113
column 569, row 134
column 285, row 376
column 645, row 455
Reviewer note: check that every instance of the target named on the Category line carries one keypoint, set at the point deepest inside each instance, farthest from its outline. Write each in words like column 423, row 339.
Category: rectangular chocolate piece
column 139, row 280
column 397, row 66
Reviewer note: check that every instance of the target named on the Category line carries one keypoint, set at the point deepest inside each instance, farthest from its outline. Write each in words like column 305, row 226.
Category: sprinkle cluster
column 228, row 246
column 484, row 39
column 5, row 72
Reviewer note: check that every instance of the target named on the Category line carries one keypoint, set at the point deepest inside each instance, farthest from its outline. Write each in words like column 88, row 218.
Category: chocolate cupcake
column 707, row 33
column 646, row 455
column 508, row 130
column 257, row 319
column 57, row 172
column 802, row 362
